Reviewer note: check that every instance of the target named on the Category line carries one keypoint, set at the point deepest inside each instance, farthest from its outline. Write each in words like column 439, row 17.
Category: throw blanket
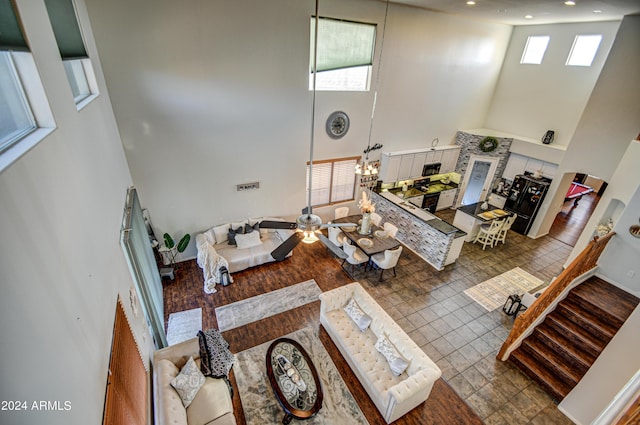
column 215, row 357
column 211, row 262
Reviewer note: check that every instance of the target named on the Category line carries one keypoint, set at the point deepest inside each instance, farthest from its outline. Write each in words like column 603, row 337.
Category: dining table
column 376, row 241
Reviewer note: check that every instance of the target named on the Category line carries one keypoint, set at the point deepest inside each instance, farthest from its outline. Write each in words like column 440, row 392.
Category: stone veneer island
column 434, row 240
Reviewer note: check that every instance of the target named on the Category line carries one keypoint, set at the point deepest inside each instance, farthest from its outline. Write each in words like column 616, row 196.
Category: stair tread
column 559, row 366
column 589, row 320
column 556, row 388
column 607, row 297
column 589, row 339
column 580, row 353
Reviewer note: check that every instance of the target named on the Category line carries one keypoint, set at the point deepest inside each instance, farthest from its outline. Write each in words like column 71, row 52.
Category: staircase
column 564, row 346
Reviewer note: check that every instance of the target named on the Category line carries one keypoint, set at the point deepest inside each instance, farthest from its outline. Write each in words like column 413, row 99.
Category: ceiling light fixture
column 570, row 3
column 528, row 16
column 365, row 168
column 596, row 11
column 471, row 3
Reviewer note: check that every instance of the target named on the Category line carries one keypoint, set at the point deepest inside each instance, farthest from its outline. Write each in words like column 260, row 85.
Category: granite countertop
column 475, row 209
column 430, row 219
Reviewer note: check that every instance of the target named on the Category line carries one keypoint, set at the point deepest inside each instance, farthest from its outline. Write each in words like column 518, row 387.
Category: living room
column 185, row 137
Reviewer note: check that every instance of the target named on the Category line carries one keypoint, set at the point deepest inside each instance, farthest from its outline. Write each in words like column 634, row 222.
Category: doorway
column 476, row 183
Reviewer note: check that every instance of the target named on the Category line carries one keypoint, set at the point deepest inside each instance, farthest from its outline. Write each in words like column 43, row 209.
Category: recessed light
column 570, row 3
column 596, row 11
column 471, row 3
column 528, row 16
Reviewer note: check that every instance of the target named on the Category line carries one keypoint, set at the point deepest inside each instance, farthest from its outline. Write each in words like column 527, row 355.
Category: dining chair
column 387, row 260
column 376, row 219
column 355, row 255
column 502, row 234
column 341, row 212
column 488, row 233
column 391, row 229
column 336, row 236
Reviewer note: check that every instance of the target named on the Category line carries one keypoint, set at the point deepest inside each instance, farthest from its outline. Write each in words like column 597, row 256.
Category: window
column 77, row 65
column 16, row 120
column 584, row 49
column 344, row 56
column 334, row 180
column 534, row 49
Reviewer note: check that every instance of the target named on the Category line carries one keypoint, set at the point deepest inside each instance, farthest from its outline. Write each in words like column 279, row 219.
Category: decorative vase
column 484, row 206
column 365, row 226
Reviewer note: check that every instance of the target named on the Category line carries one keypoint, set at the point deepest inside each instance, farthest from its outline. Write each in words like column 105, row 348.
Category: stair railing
column 583, row 263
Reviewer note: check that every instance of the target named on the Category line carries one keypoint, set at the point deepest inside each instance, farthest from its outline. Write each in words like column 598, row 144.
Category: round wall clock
column 337, row 124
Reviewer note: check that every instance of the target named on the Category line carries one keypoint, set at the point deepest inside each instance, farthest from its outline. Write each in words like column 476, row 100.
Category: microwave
column 431, row 169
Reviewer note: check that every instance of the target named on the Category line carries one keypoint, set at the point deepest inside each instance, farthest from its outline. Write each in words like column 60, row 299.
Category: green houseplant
column 170, row 244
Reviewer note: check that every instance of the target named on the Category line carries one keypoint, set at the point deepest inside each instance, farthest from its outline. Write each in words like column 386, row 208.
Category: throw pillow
column 397, row 363
column 250, row 228
column 221, row 232
column 354, row 311
column 188, row 382
column 248, row 240
column 231, row 236
column 210, row 236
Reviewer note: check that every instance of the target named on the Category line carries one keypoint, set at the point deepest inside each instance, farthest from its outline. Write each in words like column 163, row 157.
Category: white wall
column 609, row 122
column 531, row 99
column 62, row 266
column 211, row 94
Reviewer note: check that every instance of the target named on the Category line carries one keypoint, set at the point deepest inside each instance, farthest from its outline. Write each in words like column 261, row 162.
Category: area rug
column 259, row 403
column 252, row 309
column 492, row 293
column 184, row 325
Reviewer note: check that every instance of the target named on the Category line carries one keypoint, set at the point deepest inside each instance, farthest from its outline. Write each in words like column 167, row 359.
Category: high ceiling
column 513, row 12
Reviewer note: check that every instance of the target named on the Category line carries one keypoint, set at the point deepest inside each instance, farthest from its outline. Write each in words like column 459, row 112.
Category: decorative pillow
column 231, row 236
column 397, row 363
column 188, row 382
column 249, row 229
column 354, row 311
column 210, row 236
column 248, row 240
column 221, row 233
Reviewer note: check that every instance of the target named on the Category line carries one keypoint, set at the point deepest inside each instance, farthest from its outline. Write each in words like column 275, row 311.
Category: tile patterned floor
column 462, row 337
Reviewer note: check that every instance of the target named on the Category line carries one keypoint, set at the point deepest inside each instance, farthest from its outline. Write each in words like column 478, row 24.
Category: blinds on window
column 342, row 44
column 63, row 19
column 333, row 181
column 11, row 36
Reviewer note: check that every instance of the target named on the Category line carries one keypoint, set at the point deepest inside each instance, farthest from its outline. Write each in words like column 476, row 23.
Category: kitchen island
column 434, row 240
column 470, row 217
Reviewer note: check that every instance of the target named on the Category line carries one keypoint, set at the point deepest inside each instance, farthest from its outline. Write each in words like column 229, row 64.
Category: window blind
column 332, row 181
column 342, row 44
column 343, row 183
column 11, row 36
column 66, row 29
column 320, row 183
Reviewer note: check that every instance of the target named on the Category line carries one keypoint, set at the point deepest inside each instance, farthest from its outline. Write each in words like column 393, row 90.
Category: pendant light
column 364, row 167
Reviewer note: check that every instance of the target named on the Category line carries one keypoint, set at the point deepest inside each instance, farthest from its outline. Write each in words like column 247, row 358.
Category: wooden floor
column 444, row 406
column 571, row 220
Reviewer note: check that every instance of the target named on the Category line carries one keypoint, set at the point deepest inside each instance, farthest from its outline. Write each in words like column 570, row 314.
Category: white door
column 477, row 179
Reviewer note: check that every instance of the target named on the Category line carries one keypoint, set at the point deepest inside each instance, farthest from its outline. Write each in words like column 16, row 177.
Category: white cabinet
column 518, row 164
column 389, row 167
column 419, row 159
column 533, row 165
column 434, row 156
column 446, row 199
column 449, row 160
column 406, row 162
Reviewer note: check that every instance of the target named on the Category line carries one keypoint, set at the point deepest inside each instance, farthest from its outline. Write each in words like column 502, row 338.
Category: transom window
column 535, row 49
column 16, row 119
column 333, row 180
column 345, row 55
column 584, row 49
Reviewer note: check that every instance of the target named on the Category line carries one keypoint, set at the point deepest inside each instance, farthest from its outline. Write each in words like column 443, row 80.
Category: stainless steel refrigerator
column 525, row 197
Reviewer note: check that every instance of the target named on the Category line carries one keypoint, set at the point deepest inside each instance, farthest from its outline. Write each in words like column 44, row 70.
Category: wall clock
column 337, row 124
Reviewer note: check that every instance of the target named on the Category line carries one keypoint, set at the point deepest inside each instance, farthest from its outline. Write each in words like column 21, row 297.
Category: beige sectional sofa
column 211, row 405
column 394, row 396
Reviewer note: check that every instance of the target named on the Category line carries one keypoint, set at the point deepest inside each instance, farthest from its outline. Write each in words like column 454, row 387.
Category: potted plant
column 172, row 249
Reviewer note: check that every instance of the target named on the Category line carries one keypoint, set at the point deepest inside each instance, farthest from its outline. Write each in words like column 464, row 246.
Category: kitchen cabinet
column 449, row 160
column 434, row 156
column 406, row 163
column 446, row 199
column 419, row 159
column 518, row 164
column 389, row 167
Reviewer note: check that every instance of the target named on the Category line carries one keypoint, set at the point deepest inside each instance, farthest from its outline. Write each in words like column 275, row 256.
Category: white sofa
column 213, row 244
column 212, row 404
column 394, row 396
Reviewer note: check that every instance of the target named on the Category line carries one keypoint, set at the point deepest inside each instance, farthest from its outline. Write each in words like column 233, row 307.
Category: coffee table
column 294, row 379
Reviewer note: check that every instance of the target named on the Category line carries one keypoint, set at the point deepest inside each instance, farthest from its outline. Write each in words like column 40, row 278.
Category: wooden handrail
column 584, row 262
